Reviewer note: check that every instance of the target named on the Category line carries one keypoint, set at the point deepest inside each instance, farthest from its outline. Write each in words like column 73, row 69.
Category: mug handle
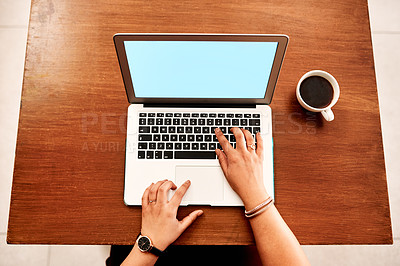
column 328, row 114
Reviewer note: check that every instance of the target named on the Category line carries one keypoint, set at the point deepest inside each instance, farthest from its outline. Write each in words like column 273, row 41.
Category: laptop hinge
column 191, row 105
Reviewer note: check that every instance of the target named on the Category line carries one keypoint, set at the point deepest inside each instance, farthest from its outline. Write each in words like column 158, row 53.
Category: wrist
column 251, row 200
column 158, row 243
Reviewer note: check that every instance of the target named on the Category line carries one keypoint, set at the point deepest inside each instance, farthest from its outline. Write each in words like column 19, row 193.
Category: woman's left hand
column 159, row 220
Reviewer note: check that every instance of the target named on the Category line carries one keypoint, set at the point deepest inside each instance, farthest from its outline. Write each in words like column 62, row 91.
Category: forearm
column 136, row 258
column 276, row 243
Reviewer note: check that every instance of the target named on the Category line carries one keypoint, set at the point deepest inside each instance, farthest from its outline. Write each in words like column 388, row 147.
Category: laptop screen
column 200, row 69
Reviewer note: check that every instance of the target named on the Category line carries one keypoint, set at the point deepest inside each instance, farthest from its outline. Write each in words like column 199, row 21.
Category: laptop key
column 144, row 129
column 195, row 155
column 254, row 122
column 149, row 154
column 141, row 155
column 171, row 129
column 142, row 114
column 151, row 115
column 143, row 137
column 159, row 121
column 206, row 130
column 195, row 146
column 169, row 146
column 203, row 146
column 142, row 145
column 212, row 146
column 154, row 129
column 235, row 122
column 158, row 155
column 178, row 146
column 189, row 129
column 150, row 121
column 142, row 121
column 186, row 146
column 168, row 155
column 152, row 145
column 161, row 146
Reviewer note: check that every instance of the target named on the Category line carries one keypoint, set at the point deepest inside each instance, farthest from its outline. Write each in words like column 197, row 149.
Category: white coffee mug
column 326, row 111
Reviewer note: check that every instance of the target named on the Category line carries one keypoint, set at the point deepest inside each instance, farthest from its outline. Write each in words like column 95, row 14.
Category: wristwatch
column 145, row 245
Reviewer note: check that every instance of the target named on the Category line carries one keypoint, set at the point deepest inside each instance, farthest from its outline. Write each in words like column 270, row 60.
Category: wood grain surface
column 330, row 180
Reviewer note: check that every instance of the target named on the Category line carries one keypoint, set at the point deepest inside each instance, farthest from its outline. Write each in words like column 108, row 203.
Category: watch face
column 144, row 243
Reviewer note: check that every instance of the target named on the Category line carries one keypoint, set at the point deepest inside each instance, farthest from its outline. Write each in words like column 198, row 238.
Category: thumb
column 188, row 220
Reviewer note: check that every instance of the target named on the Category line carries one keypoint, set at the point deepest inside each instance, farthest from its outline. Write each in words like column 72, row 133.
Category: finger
column 162, row 195
column 188, row 220
column 223, row 161
column 177, row 198
column 260, row 146
column 145, row 197
column 154, row 189
column 249, row 139
column 226, row 146
column 240, row 143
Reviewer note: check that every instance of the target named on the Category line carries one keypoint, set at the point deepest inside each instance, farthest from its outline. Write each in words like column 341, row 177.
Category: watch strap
column 156, row 251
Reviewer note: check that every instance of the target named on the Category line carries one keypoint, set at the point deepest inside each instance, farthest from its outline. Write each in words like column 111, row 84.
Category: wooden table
column 330, row 179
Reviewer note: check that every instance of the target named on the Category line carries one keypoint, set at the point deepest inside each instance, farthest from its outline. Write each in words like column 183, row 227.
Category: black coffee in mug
column 316, row 91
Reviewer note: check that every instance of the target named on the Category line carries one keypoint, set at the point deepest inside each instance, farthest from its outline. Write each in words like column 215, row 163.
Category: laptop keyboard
column 189, row 135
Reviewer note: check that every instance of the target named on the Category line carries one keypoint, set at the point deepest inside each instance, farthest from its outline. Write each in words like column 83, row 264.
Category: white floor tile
column 78, row 255
column 354, row 255
column 387, row 64
column 32, row 255
column 384, row 15
column 14, row 12
column 12, row 54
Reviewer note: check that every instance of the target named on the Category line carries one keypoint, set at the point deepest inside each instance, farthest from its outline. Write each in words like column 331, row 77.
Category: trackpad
column 207, row 184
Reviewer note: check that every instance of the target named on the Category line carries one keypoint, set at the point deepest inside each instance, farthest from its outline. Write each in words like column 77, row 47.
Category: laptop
column 180, row 88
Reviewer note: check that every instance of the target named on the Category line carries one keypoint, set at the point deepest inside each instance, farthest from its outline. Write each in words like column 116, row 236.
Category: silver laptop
column 180, row 88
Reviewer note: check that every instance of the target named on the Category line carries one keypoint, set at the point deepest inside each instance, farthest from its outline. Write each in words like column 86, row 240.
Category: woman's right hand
column 243, row 166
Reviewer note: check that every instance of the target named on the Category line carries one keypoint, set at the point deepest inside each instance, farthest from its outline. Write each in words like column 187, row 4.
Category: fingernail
column 200, row 212
column 187, row 182
column 217, row 130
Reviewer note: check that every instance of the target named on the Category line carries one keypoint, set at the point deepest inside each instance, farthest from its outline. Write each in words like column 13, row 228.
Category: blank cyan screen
column 200, row 69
